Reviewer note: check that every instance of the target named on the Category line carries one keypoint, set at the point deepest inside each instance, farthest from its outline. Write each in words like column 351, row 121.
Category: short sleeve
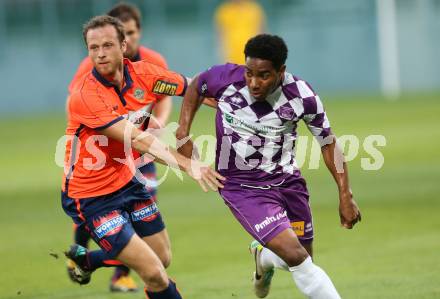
column 159, row 80
column 314, row 115
column 91, row 111
column 216, row 78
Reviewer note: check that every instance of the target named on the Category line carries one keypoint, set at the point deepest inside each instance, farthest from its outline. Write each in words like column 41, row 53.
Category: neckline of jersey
column 127, row 79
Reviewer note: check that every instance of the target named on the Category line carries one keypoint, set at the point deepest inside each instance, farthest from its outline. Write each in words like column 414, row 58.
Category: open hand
column 205, row 176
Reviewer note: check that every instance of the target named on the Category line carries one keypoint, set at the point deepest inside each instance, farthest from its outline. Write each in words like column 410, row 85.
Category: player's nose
column 254, row 84
column 101, row 53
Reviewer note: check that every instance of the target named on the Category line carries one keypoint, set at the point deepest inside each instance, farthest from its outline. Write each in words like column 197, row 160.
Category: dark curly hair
column 267, row 47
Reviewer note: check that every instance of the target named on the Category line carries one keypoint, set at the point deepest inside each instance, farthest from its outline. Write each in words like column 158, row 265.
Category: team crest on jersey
column 163, row 87
column 145, row 211
column 286, row 113
column 109, row 224
column 139, row 93
column 236, row 100
column 204, row 88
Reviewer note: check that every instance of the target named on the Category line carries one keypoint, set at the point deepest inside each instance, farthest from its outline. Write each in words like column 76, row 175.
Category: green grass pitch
column 393, row 253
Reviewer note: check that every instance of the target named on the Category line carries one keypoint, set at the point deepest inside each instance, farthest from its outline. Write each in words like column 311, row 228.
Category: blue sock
column 81, row 236
column 169, row 293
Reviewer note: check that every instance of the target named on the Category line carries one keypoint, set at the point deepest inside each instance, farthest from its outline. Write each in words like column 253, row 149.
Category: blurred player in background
column 130, row 17
column 236, row 22
column 259, row 107
column 99, row 190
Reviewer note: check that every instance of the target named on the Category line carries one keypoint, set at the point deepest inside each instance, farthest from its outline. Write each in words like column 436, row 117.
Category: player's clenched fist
column 348, row 210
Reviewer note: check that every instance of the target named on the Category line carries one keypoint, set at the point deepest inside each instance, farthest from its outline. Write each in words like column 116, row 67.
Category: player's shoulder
column 75, row 101
column 295, row 87
column 86, row 64
column 229, row 72
column 152, row 56
column 86, row 91
column 84, row 68
column 219, row 77
column 144, row 67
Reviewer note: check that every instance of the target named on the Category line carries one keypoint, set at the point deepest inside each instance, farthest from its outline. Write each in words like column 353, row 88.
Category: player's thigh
column 111, row 230
column 144, row 213
column 147, row 222
column 296, row 200
column 105, row 221
column 259, row 211
column 145, row 217
column 161, row 245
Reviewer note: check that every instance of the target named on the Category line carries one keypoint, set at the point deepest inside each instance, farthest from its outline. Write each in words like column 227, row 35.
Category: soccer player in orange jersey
column 100, row 190
column 130, row 17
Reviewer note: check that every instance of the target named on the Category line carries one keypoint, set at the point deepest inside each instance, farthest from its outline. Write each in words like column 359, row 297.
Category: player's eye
column 266, row 76
column 93, row 48
column 248, row 74
column 108, row 45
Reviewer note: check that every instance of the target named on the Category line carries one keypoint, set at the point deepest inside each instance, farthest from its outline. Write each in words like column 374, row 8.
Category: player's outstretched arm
column 146, row 143
column 335, row 162
column 190, row 103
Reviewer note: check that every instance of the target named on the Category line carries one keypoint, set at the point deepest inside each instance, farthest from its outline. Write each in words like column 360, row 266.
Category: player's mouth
column 256, row 94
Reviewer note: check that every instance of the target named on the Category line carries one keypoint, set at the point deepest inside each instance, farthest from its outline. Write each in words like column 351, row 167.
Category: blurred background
column 336, row 44
column 376, row 65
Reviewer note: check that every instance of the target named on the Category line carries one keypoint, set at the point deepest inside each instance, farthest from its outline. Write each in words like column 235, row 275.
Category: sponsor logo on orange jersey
column 163, row 87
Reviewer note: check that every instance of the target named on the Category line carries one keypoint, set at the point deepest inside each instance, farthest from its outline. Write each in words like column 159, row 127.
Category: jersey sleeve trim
column 110, row 123
column 185, row 85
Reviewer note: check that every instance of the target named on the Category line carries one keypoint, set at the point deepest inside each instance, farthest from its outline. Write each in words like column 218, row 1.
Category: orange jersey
column 91, row 166
column 144, row 53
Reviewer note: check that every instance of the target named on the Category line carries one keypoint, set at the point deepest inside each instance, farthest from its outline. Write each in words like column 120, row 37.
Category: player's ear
column 124, row 46
column 282, row 69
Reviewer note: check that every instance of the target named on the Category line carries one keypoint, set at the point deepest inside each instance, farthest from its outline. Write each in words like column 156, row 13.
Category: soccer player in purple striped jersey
column 259, row 107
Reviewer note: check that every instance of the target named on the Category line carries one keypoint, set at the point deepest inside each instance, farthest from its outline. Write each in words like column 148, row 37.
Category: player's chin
column 260, row 97
column 104, row 69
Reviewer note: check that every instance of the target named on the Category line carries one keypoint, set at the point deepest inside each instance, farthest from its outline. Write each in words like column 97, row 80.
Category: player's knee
column 155, row 277
column 165, row 258
column 295, row 255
